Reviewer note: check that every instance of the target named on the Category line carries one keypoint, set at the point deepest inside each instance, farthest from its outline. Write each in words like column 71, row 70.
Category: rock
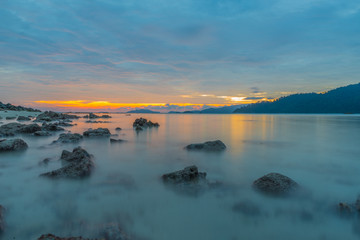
column 188, row 174
column 118, row 129
column 49, row 116
column 53, row 237
column 350, row 208
column 23, row 118
column 99, row 132
column 11, row 129
column 144, row 123
column 276, row 184
column 42, row 133
column 216, row 145
column 53, row 127
column 2, row 219
column 69, row 138
column 11, row 107
column 65, row 123
column 138, row 128
column 45, row 162
column 105, row 116
column 112, row 140
column 77, row 164
column 12, row 145
column 10, row 118
column 92, row 116
column 31, row 128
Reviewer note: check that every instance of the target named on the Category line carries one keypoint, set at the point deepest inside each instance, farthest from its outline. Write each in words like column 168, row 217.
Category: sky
column 111, row 55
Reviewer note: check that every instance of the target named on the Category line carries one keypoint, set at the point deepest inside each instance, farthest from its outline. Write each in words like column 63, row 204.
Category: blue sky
column 198, row 52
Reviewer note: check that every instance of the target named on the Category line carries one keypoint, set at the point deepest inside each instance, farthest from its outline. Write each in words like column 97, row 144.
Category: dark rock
column 11, row 107
column 22, row 118
column 216, row 145
column 77, row 164
column 105, row 116
column 31, row 128
column 92, row 116
column 12, row 145
column 11, row 129
column 118, row 129
column 53, row 127
column 276, row 184
column 99, row 132
column 53, row 237
column 350, row 208
column 2, row 219
column 138, row 128
column 42, row 133
column 112, row 140
column 49, row 116
column 144, row 123
column 69, row 138
column 10, row 118
column 188, row 174
column 45, row 162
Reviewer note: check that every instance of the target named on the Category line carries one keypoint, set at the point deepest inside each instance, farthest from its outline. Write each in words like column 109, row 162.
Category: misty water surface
column 320, row 152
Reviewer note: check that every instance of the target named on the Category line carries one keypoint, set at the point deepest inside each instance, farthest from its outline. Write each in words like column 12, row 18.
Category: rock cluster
column 49, row 116
column 11, row 107
column 276, row 184
column 99, row 132
column 216, row 145
column 77, row 164
column 7, row 145
column 141, row 123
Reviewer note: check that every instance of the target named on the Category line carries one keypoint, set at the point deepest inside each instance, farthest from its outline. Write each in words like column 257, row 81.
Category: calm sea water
column 320, row 152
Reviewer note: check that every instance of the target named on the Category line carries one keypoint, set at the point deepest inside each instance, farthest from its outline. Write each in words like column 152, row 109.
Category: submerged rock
column 99, row 132
column 69, row 138
column 23, row 118
column 144, row 123
column 112, row 140
column 216, row 145
column 7, row 145
column 276, row 184
column 2, row 219
column 77, row 164
column 53, row 237
column 42, row 133
column 188, row 174
column 49, row 116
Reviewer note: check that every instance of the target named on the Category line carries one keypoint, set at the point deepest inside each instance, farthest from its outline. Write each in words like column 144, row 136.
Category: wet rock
column 188, row 174
column 53, row 127
column 99, row 132
column 216, row 145
column 144, row 123
column 10, row 118
column 49, row 116
column 2, row 219
column 69, row 138
column 31, row 128
column 276, row 184
column 23, row 118
column 7, row 145
column 11, row 129
column 118, row 129
column 112, row 140
column 77, row 164
column 53, row 237
column 247, row 208
column 42, row 133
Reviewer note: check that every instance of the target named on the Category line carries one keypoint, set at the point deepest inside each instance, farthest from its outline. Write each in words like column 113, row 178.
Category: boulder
column 216, row 145
column 99, row 132
column 23, row 118
column 69, row 138
column 53, row 237
column 42, row 133
column 144, row 123
column 2, row 220
column 118, row 129
column 76, row 164
column 187, row 175
column 53, row 127
column 275, row 184
column 7, row 145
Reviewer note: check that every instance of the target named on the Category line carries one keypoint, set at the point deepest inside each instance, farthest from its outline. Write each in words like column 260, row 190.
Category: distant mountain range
column 142, row 111
column 10, row 107
column 340, row 100
column 220, row 110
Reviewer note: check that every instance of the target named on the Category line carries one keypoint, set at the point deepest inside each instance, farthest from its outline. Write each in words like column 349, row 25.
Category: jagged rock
column 99, row 132
column 53, row 237
column 77, row 164
column 23, row 118
column 49, row 116
column 51, row 127
column 42, row 133
column 188, row 174
column 2, row 219
column 69, row 138
column 144, row 123
column 216, row 145
column 10, row 118
column 118, row 129
column 12, row 145
column 112, row 140
column 275, row 183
